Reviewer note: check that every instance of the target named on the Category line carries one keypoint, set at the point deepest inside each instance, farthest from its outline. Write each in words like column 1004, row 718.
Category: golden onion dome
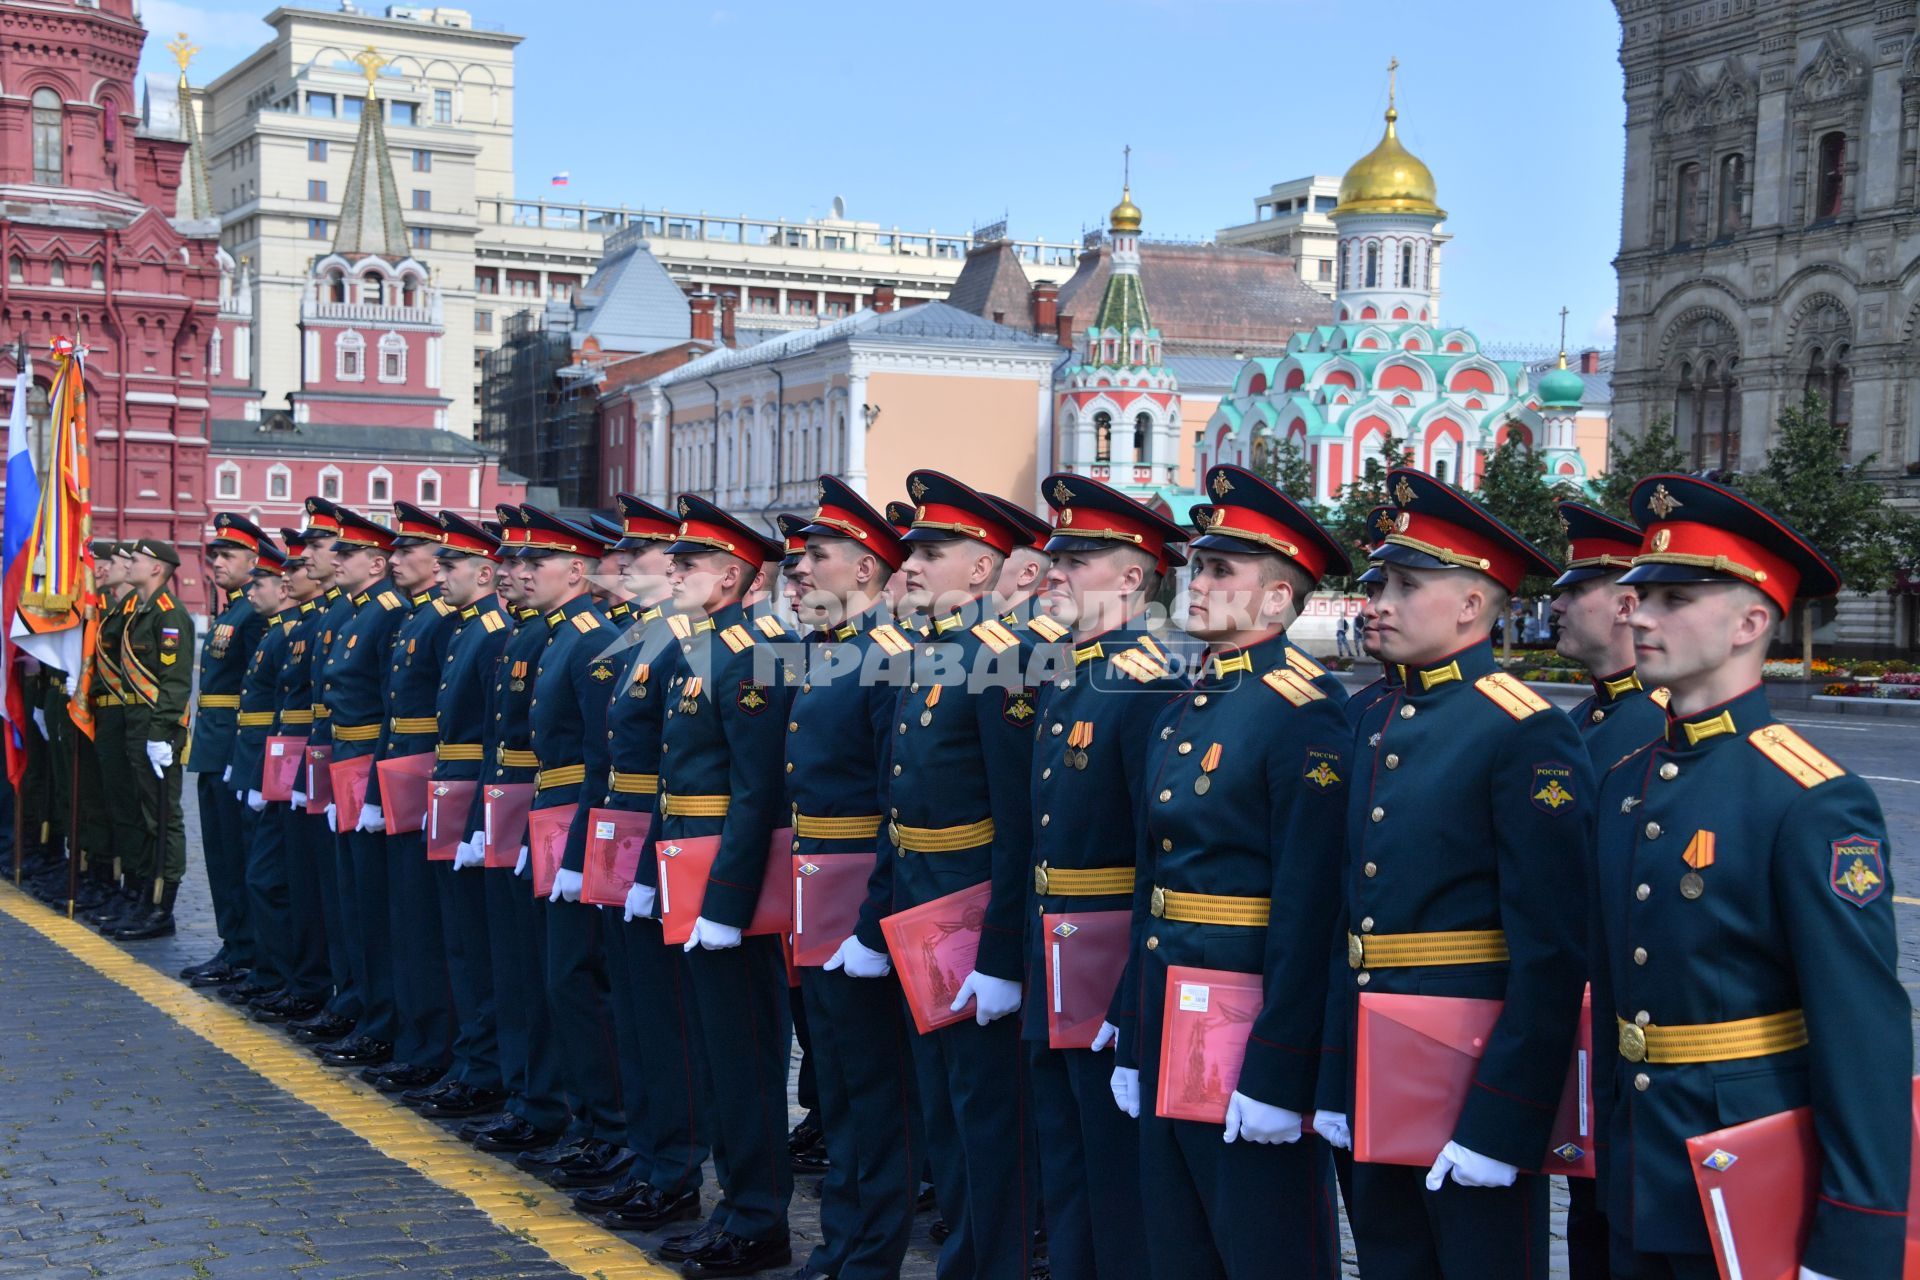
column 1389, row 179
column 1126, row 214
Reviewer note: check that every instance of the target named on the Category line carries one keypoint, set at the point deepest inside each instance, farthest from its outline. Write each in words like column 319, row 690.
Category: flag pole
column 73, row 822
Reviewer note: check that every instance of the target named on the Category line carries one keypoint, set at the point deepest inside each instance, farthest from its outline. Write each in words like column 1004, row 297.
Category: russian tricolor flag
column 22, row 504
column 561, row 178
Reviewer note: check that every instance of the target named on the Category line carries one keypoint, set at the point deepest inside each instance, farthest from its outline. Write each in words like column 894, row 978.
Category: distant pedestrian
column 1340, row 637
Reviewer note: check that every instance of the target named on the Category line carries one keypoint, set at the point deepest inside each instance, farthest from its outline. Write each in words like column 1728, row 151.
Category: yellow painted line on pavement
column 520, row 1204
column 1907, row 902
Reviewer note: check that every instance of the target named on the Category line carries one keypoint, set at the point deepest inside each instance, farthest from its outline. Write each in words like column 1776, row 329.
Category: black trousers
column 423, row 1001
column 267, row 908
column 1402, row 1230
column 226, row 853
column 308, row 847
column 581, row 1013
column 1089, row 1165
column 656, row 1021
column 745, row 1031
column 972, row 1094
column 463, row 931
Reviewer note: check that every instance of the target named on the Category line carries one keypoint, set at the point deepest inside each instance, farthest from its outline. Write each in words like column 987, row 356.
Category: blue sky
column 948, row 118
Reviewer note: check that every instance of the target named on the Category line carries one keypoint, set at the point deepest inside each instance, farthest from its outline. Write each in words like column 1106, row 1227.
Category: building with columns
column 1768, row 245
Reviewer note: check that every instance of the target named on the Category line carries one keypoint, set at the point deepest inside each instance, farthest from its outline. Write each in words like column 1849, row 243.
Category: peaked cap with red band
column 323, row 519
column 1091, row 516
column 608, row 531
column 513, row 531
column 230, row 530
column 793, row 539
column 548, row 534
column 272, row 562
column 1598, row 544
column 462, row 537
column 1380, row 523
column 1440, row 527
column 900, row 516
column 1698, row 531
column 705, row 527
column 945, row 510
column 842, row 513
column 1034, row 531
column 1251, row 517
column 358, row 531
column 414, row 526
column 642, row 523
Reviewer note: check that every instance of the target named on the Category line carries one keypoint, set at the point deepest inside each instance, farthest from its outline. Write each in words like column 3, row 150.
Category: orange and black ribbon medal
column 933, row 700
column 1208, row 763
column 1698, row 857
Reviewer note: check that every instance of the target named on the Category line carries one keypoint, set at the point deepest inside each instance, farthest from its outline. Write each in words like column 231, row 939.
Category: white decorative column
column 655, row 488
column 854, row 447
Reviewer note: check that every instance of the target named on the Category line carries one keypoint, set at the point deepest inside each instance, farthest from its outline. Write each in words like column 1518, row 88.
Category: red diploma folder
column 828, row 889
column 448, row 804
column 282, row 772
column 350, row 779
column 934, row 946
column 615, row 838
column 685, row 866
column 319, row 780
column 504, row 808
column 1203, row 1040
column 1414, row 1061
column 1085, row 952
column 403, row 792
column 1757, row 1184
column 547, row 844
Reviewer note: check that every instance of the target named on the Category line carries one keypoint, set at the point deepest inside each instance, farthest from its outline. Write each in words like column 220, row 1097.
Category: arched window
column 57, row 274
column 1406, row 266
column 99, row 276
column 1732, row 194
column 1141, row 424
column 349, row 352
column 336, row 286
column 1706, row 413
column 49, row 150
column 1686, row 204
column 1373, row 266
column 16, row 270
column 1831, row 173
column 1103, row 436
column 1830, row 376
column 372, row 289
column 393, row 358
column 1344, row 273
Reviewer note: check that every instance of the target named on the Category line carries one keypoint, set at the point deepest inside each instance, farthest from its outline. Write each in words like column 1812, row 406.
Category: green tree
column 1631, row 460
column 1514, row 487
column 1348, row 520
column 1286, row 468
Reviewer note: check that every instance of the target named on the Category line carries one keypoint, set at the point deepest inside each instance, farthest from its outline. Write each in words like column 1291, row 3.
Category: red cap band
column 1459, row 545
column 1244, row 522
column 967, row 524
column 1704, row 546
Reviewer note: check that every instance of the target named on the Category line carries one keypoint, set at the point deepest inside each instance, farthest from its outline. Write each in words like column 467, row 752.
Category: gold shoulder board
column 1304, row 665
column 995, row 636
column 1291, row 685
column 1797, row 757
column 1510, row 695
column 1047, row 628
column 442, row 607
column 388, row 600
column 737, row 637
column 585, row 622
column 770, row 627
column 888, row 637
column 492, row 621
column 1139, row 664
column 680, row 625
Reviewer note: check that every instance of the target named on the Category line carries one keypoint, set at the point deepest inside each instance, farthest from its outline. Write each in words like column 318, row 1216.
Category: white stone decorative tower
column 1387, row 221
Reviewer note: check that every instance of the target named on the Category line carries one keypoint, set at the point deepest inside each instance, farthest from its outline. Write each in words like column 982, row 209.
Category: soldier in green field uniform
column 109, row 698
column 96, row 818
column 155, row 659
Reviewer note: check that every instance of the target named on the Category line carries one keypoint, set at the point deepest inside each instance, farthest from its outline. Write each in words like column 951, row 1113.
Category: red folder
column 320, row 780
column 448, row 804
column 1757, row 1183
column 685, row 866
column 281, row 776
column 615, row 839
column 1207, row 1018
column 828, row 889
column 1085, row 952
column 547, row 844
column 1414, row 1061
column 504, row 808
column 403, row 792
column 934, row 946
column 350, row 779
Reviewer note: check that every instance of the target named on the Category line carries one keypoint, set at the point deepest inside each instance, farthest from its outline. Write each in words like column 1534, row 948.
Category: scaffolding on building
column 538, row 406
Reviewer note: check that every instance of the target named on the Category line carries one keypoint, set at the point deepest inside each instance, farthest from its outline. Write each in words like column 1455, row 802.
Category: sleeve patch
column 770, row 627
column 737, row 637
column 1552, row 787
column 1047, row 628
column 1510, row 695
column 888, row 637
column 1292, row 686
column 752, row 698
column 1858, row 874
column 1323, row 768
column 602, row 671
column 995, row 636
column 1797, row 757
column 1306, row 666
column 1016, row 708
column 492, row 621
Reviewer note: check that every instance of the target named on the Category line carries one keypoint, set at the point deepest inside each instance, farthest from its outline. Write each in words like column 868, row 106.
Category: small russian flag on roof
column 561, row 178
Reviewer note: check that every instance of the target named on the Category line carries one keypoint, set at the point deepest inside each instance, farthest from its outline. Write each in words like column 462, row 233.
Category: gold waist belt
column 565, row 775
column 695, row 806
column 219, row 701
column 943, row 839
column 1092, row 882
column 457, row 751
column 1417, row 950
column 356, row 732
column 864, row 827
column 296, row 717
column 254, row 719
column 415, row 724
column 109, row 700
column 633, row 784
column 1714, row 1041
column 321, row 711
column 513, row 759
column 1210, row 908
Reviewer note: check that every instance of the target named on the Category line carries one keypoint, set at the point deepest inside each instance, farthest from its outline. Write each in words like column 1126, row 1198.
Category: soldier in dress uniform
column 1220, row 886
column 1380, row 523
column 1108, row 556
column 467, row 568
column 353, row 682
column 1471, row 904
column 109, row 697
column 1741, row 987
column 94, row 840
column 1017, row 591
column 156, row 669
column 961, row 815
column 837, row 746
column 900, row 516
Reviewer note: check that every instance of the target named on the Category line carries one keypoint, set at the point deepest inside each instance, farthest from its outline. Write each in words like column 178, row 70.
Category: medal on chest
column 933, row 700
column 1208, row 763
column 690, row 696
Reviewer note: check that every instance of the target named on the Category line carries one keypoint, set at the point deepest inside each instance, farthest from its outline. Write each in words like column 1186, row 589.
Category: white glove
column 566, row 884
column 256, row 802
column 371, row 819
column 639, row 903
column 1107, row 1035
column 1469, row 1169
column 1332, row 1126
column 73, row 684
column 226, row 775
column 333, row 818
column 298, row 799
column 1125, row 1084
column 992, row 997
column 709, row 936
column 858, row 960
column 468, row 855
column 241, row 796
column 40, row 723
column 520, row 867
column 1257, row 1121
column 160, row 756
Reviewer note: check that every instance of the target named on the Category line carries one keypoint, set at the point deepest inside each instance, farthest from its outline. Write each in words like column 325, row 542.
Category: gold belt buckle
column 893, row 834
column 1158, row 904
column 1633, row 1042
column 1040, row 878
column 1356, row 952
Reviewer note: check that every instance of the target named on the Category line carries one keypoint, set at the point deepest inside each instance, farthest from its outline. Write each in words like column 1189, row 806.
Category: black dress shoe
column 680, row 1248
column 807, row 1134
column 245, row 992
column 612, row 1196
column 358, row 1052
column 286, row 1009
column 515, row 1135
column 464, row 1100
column 938, row 1230
column 811, row 1161
column 806, row 1272
column 552, row 1156
column 428, row 1092
column 651, row 1210
column 597, row 1167
column 925, row 1200
column 475, row 1128
column 221, row 977
column 398, row 1079
column 732, row 1255
column 322, row 1027
column 193, row 971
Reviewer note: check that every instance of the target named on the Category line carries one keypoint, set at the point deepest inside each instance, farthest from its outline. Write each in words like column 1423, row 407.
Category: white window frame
column 374, row 477
column 333, row 473
column 284, row 474
column 221, row 474
column 420, row 488
column 350, row 340
column 392, row 344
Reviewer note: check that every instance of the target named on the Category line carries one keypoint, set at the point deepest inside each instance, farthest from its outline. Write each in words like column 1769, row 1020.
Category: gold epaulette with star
column 680, row 624
column 441, row 607
column 388, row 601
column 770, row 627
column 1292, row 686
column 888, row 637
column 1046, row 628
column 1797, row 758
column 737, row 637
column 585, row 622
column 492, row 621
column 1510, row 695
column 1140, row 663
column 1304, row 665
column 995, row 635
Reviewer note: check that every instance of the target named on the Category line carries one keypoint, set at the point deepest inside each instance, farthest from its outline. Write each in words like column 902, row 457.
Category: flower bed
column 1899, row 687
column 1778, row 669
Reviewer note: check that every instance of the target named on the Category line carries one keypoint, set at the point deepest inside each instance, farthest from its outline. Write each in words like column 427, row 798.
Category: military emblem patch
column 752, row 698
column 1858, row 874
column 1569, row 1152
column 1016, row 707
column 1322, row 768
column 169, row 637
column 1065, row 929
column 1552, row 788
column 1721, row 1160
column 602, row 671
